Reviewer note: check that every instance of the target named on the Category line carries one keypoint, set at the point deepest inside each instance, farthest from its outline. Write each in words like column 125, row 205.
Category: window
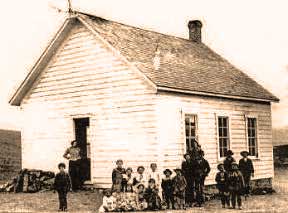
column 252, row 136
column 190, row 130
column 223, row 135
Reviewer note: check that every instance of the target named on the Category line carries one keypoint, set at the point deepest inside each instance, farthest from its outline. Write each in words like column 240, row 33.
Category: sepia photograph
column 144, row 106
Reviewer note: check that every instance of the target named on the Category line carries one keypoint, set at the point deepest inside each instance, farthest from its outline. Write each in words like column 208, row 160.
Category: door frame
column 72, row 117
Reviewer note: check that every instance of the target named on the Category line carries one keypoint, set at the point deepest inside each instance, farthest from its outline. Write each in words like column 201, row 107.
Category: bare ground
column 90, row 201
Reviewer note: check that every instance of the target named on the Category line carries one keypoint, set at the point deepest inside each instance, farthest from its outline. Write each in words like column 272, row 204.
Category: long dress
column 74, row 156
column 117, row 178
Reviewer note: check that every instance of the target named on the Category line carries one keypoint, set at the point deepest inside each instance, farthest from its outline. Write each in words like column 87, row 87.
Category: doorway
column 80, row 126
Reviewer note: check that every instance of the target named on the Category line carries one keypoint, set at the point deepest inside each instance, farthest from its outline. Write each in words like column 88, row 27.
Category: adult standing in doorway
column 73, row 154
column 188, row 171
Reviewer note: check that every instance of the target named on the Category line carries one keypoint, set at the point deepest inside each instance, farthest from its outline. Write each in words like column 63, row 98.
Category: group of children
column 233, row 180
column 153, row 192
column 144, row 191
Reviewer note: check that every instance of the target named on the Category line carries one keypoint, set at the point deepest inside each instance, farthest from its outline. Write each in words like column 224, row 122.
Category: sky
column 252, row 35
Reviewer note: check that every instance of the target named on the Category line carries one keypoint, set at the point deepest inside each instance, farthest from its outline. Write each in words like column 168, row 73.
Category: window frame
column 257, row 156
column 227, row 115
column 196, row 127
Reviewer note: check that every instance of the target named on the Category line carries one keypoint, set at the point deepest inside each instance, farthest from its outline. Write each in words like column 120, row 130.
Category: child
column 117, row 176
column 153, row 174
column 109, row 202
column 167, row 189
column 235, row 185
column 247, row 170
column 62, row 185
column 141, row 202
column 221, row 180
column 179, row 189
column 127, row 183
column 228, row 161
column 140, row 177
column 151, row 196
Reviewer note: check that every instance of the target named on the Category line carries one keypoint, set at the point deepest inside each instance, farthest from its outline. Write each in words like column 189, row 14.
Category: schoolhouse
column 141, row 96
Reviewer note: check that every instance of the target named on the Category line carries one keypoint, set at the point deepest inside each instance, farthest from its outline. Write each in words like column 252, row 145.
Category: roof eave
column 42, row 61
column 189, row 92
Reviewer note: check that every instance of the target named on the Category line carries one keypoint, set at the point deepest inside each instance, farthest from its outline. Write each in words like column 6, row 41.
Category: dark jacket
column 167, row 186
column 246, row 168
column 188, row 169
column 117, row 175
column 202, row 168
column 235, row 181
column 222, row 181
column 227, row 164
column 62, row 182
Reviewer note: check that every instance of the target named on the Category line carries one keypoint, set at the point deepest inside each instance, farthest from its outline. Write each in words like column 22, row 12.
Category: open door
column 81, row 126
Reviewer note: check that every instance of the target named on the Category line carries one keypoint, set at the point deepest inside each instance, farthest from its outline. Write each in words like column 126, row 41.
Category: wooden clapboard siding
column 171, row 111
column 85, row 79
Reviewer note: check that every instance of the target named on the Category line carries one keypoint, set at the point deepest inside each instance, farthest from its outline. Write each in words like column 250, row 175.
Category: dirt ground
column 90, row 201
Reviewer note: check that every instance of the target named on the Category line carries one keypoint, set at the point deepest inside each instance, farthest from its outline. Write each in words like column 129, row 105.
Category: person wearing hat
column 228, row 161
column 167, row 189
column 188, row 170
column 74, row 155
column 247, row 169
column 221, row 184
column 235, row 185
column 117, row 176
column 180, row 185
column 202, row 170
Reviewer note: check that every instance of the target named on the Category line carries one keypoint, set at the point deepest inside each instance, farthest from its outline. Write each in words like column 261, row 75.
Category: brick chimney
column 195, row 30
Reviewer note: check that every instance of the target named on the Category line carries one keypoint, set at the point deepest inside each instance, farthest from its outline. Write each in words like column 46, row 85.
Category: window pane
column 193, row 132
column 220, row 124
column 190, row 130
column 225, row 123
column 252, row 136
column 225, row 132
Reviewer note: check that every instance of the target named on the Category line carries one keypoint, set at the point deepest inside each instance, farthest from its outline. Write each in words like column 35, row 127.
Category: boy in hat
column 167, row 189
column 228, row 161
column 188, row 170
column 62, row 185
column 117, row 176
column 179, row 189
column 247, row 169
column 151, row 196
column 222, row 180
column 202, row 170
column 235, row 185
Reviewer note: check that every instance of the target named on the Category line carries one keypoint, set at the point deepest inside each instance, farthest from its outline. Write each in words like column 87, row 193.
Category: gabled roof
column 172, row 63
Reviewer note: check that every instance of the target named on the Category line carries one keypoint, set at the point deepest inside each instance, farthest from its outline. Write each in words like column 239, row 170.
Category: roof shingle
column 184, row 65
